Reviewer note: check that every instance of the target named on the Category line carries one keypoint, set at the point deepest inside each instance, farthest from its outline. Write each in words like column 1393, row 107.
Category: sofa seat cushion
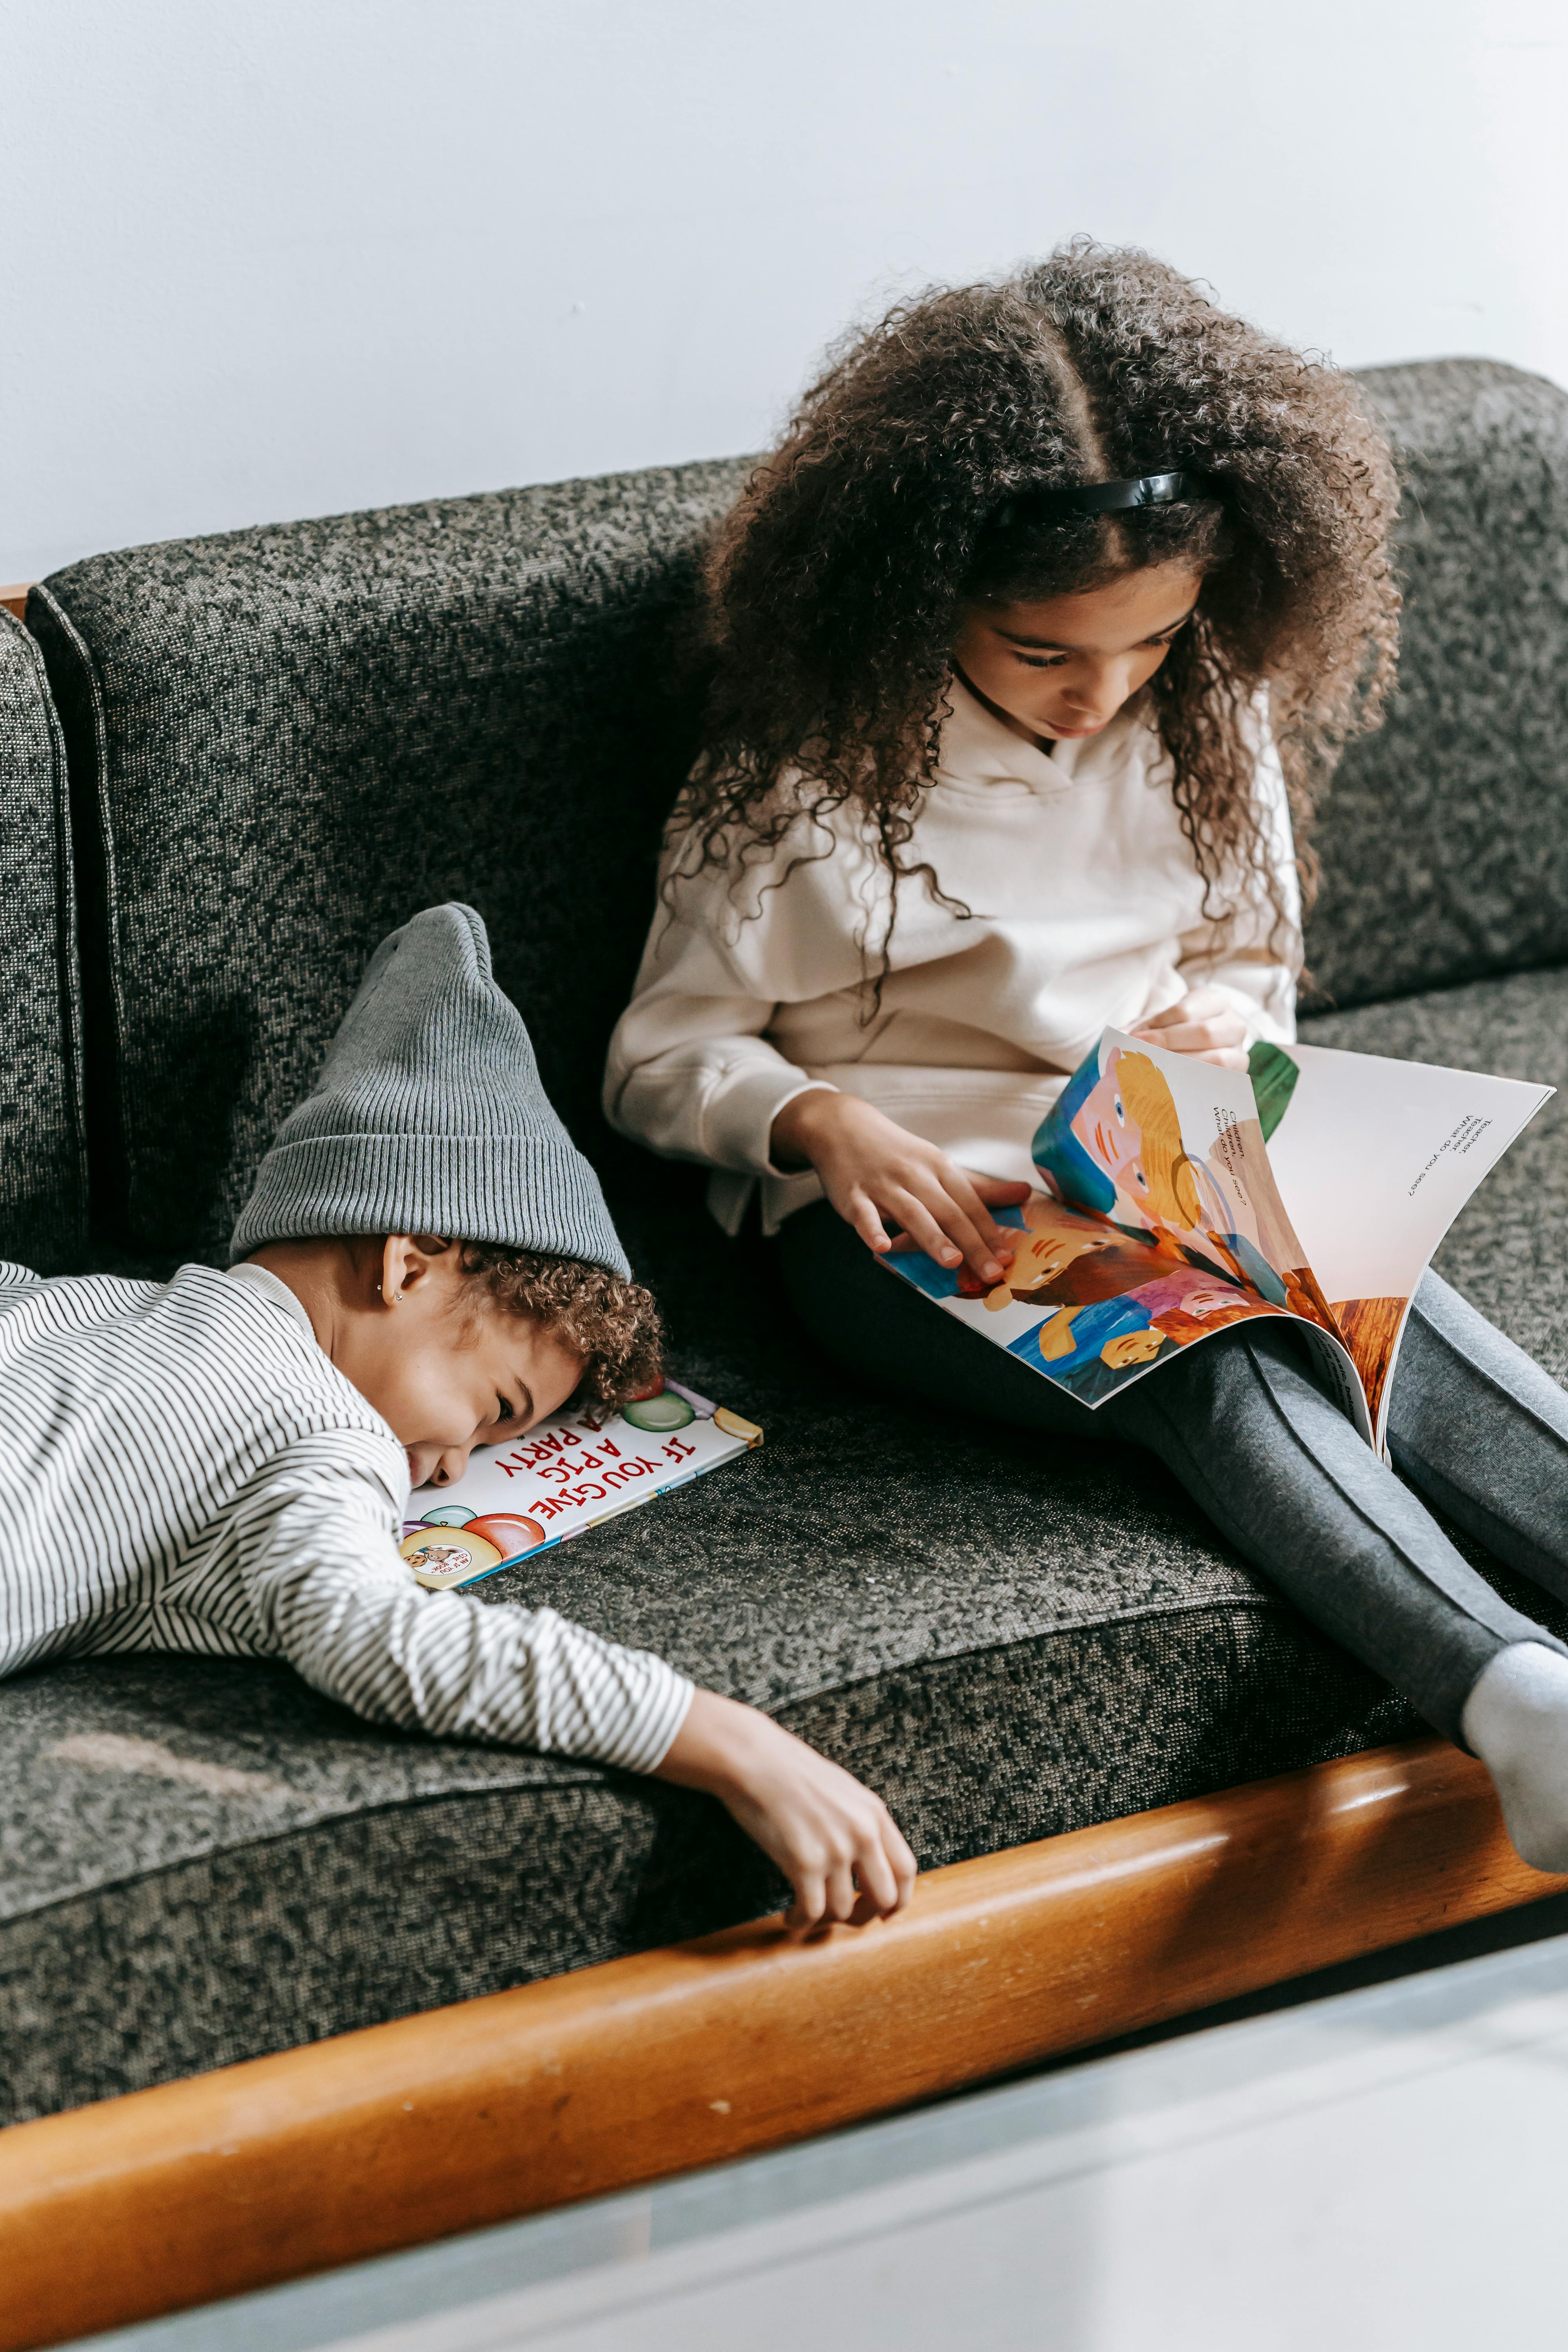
column 205, row 1861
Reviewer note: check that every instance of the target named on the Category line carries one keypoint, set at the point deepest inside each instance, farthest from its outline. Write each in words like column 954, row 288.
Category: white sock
column 1516, row 1720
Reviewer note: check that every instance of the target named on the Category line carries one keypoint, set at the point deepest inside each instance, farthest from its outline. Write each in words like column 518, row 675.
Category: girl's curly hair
column 613, row 1325
column 836, row 586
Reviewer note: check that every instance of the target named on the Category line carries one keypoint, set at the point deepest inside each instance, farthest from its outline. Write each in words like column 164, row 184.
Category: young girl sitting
column 221, row 1463
column 1050, row 614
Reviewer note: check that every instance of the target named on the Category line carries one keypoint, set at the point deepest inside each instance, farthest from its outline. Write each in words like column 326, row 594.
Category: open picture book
column 566, row 1475
column 1177, row 1198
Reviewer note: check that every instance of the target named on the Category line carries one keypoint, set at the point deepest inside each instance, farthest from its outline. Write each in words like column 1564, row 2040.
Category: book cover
column 1177, row 1198
column 567, row 1474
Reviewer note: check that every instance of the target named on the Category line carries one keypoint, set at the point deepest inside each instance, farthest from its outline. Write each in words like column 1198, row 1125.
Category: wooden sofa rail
column 15, row 598
column 677, row 2058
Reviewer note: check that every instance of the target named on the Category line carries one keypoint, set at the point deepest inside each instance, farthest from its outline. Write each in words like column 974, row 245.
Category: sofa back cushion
column 43, row 1163
column 290, row 740
column 285, row 741
column 1444, row 838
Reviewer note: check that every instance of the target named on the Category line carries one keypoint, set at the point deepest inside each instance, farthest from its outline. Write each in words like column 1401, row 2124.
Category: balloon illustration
column 512, row 1535
column 659, row 1414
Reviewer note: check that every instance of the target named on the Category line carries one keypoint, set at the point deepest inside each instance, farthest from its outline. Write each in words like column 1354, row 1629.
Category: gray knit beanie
column 428, row 1117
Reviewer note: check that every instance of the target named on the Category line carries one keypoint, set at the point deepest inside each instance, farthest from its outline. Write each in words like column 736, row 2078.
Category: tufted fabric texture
column 287, row 740
column 1444, row 836
column 203, row 1861
column 42, row 1167
column 294, row 739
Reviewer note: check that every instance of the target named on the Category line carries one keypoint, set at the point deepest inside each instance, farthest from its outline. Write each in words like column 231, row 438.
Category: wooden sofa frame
column 674, row 2058
column 584, row 2083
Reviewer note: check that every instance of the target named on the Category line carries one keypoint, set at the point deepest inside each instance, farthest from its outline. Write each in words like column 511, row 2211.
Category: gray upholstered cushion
column 204, row 1861
column 1444, row 837
column 42, row 1171
column 296, row 737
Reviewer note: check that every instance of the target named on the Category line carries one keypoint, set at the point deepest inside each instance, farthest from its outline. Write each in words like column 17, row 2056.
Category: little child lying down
column 221, row 1463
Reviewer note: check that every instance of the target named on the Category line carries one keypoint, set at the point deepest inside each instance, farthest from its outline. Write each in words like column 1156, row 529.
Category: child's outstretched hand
column 836, row 1843
column 1204, row 1024
column 872, row 1169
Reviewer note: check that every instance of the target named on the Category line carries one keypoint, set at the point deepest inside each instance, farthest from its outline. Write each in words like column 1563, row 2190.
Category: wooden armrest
column 677, row 2058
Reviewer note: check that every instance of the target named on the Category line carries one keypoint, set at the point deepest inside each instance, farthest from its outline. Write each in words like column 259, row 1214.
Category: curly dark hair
column 836, row 586
column 613, row 1325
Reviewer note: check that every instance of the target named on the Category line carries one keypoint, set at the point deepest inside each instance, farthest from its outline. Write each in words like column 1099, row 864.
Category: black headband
column 1102, row 497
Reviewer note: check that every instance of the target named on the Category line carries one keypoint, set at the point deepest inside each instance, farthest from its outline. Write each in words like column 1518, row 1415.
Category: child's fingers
column 922, row 1225
column 945, row 1233
column 810, row 1900
column 1201, row 1038
column 902, row 1862
column 995, row 1239
column 878, row 1886
column 842, row 1894
column 1000, row 1191
column 861, row 1212
column 1198, row 1004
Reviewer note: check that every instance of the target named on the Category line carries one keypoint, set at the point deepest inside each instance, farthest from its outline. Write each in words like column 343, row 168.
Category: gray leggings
column 1473, row 1422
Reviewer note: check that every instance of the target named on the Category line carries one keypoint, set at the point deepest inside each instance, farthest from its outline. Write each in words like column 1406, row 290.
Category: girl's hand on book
column 836, row 1843
column 872, row 1169
column 1205, row 1024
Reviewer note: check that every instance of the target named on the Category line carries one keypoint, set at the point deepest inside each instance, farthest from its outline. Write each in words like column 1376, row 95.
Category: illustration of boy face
column 1041, row 1257
column 1200, row 1303
column 1131, row 1348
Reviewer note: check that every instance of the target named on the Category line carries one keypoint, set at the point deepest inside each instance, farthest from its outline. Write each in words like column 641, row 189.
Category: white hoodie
column 1087, row 910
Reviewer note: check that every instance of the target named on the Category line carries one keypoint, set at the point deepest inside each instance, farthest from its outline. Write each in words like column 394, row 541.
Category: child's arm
column 836, row 1843
column 689, row 1072
column 872, row 1170
column 326, row 1590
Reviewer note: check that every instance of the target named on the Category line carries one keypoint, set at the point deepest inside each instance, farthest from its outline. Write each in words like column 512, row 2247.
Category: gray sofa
column 241, row 760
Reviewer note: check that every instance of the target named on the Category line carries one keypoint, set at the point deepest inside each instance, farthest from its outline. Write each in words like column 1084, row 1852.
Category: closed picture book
column 567, row 1475
column 1176, row 1198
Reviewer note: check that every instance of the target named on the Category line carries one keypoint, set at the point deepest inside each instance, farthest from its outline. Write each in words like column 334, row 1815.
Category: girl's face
column 1063, row 669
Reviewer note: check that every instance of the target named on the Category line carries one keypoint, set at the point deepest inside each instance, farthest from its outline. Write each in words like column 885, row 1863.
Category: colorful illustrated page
column 567, row 1475
column 1157, row 1224
column 1375, row 1158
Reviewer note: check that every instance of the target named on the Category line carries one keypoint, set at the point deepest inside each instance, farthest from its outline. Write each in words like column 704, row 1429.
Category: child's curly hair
column 836, row 586
column 613, row 1325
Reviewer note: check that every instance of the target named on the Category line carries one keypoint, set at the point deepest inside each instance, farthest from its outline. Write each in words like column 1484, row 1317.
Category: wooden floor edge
column 682, row 2057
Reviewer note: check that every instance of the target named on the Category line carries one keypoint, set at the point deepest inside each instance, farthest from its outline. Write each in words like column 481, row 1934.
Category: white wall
column 261, row 258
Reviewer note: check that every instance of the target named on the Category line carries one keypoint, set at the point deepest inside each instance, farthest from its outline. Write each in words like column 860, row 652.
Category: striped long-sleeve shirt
column 183, row 1468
